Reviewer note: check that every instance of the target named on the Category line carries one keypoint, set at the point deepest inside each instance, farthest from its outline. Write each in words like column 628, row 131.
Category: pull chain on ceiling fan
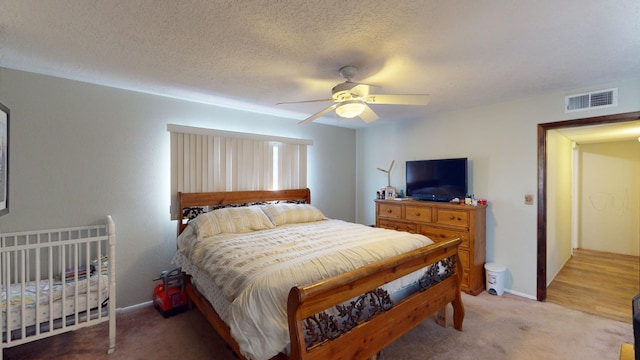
column 352, row 99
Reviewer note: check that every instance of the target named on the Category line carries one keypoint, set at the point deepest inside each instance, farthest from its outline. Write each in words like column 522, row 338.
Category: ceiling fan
column 352, row 99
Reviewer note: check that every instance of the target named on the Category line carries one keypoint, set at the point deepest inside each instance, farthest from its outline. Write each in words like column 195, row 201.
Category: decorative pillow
column 192, row 212
column 232, row 220
column 299, row 201
column 216, row 207
column 283, row 213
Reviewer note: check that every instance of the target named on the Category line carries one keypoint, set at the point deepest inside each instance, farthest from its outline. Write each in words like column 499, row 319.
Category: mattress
column 249, row 275
column 51, row 290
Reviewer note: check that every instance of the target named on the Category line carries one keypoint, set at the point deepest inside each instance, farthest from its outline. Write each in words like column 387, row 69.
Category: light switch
column 528, row 199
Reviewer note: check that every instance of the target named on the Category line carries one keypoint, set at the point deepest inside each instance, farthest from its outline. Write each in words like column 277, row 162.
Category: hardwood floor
column 599, row 283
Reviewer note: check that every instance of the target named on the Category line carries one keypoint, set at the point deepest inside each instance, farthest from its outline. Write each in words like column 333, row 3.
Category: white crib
column 57, row 280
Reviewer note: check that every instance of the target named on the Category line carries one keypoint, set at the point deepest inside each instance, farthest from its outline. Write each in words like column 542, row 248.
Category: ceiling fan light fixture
column 353, row 99
column 350, row 109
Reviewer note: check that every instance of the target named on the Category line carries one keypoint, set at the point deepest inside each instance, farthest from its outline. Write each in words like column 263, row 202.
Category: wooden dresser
column 440, row 221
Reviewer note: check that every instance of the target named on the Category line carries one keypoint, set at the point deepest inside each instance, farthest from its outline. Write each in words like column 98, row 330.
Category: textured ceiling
column 252, row 54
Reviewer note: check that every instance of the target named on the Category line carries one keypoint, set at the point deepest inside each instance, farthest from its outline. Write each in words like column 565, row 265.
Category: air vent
column 594, row 99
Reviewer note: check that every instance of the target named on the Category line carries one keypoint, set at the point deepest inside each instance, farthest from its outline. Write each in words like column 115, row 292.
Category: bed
column 330, row 299
column 57, row 280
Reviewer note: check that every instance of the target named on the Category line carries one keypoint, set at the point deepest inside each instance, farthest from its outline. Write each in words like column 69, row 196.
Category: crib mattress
column 43, row 300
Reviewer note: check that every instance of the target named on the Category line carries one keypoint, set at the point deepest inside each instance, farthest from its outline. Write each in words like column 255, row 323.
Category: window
column 204, row 160
column 274, row 167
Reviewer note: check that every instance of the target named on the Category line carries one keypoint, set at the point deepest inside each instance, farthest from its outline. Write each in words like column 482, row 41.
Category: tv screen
column 437, row 180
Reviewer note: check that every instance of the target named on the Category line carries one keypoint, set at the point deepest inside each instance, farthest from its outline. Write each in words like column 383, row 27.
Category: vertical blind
column 204, row 160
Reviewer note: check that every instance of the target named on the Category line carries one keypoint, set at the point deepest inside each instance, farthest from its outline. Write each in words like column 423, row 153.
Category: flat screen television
column 437, row 180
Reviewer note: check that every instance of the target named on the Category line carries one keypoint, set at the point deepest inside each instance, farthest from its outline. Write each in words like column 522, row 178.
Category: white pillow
column 232, row 220
column 285, row 213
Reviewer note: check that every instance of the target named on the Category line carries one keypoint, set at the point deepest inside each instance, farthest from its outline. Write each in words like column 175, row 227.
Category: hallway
column 599, row 283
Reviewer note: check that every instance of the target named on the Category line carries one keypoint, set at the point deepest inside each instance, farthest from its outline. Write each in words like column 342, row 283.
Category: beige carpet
column 495, row 327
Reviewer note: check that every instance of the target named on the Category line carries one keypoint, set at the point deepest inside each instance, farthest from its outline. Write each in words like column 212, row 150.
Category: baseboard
column 517, row 293
column 134, row 307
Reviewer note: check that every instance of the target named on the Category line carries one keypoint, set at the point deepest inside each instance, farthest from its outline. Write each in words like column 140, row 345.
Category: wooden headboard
column 188, row 200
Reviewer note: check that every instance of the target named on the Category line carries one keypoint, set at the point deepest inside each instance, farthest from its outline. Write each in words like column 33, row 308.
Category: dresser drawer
column 458, row 218
column 415, row 213
column 438, row 234
column 391, row 211
column 464, row 259
column 465, row 280
column 396, row 225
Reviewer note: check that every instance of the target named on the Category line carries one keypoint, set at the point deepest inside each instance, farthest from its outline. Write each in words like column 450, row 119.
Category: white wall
column 500, row 141
column 80, row 151
column 609, row 208
column 559, row 193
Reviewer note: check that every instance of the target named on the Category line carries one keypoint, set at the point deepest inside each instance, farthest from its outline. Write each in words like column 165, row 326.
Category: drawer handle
column 451, row 217
column 389, row 211
column 417, row 213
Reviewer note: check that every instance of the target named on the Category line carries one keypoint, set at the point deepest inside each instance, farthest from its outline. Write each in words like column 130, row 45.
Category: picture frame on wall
column 4, row 159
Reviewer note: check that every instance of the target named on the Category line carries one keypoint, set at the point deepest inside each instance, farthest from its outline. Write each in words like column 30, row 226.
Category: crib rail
column 57, row 280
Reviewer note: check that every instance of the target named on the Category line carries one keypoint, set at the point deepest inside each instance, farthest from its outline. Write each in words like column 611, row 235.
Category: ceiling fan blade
column 360, row 90
column 406, row 99
column 368, row 115
column 305, row 101
column 318, row 114
column 369, row 85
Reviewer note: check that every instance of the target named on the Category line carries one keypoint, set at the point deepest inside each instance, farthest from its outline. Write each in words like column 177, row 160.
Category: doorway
column 541, row 273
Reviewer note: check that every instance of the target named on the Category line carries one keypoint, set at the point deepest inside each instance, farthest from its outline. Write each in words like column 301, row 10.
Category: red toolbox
column 169, row 296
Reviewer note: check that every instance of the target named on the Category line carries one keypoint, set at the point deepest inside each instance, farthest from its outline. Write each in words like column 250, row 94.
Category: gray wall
column 80, row 151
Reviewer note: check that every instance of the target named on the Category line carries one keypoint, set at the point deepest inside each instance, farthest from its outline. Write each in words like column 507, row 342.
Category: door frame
column 541, row 274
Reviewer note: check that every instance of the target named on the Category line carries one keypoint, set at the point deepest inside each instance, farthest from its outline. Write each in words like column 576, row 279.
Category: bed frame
column 307, row 304
column 52, row 257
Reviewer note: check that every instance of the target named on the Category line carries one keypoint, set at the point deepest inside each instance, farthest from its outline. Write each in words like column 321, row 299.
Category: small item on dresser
column 169, row 297
column 390, row 192
column 482, row 201
column 454, row 201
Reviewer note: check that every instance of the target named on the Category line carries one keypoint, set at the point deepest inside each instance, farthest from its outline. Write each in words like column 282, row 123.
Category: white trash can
column 495, row 278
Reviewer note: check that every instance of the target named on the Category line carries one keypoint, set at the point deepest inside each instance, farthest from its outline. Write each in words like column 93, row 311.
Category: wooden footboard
column 365, row 338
